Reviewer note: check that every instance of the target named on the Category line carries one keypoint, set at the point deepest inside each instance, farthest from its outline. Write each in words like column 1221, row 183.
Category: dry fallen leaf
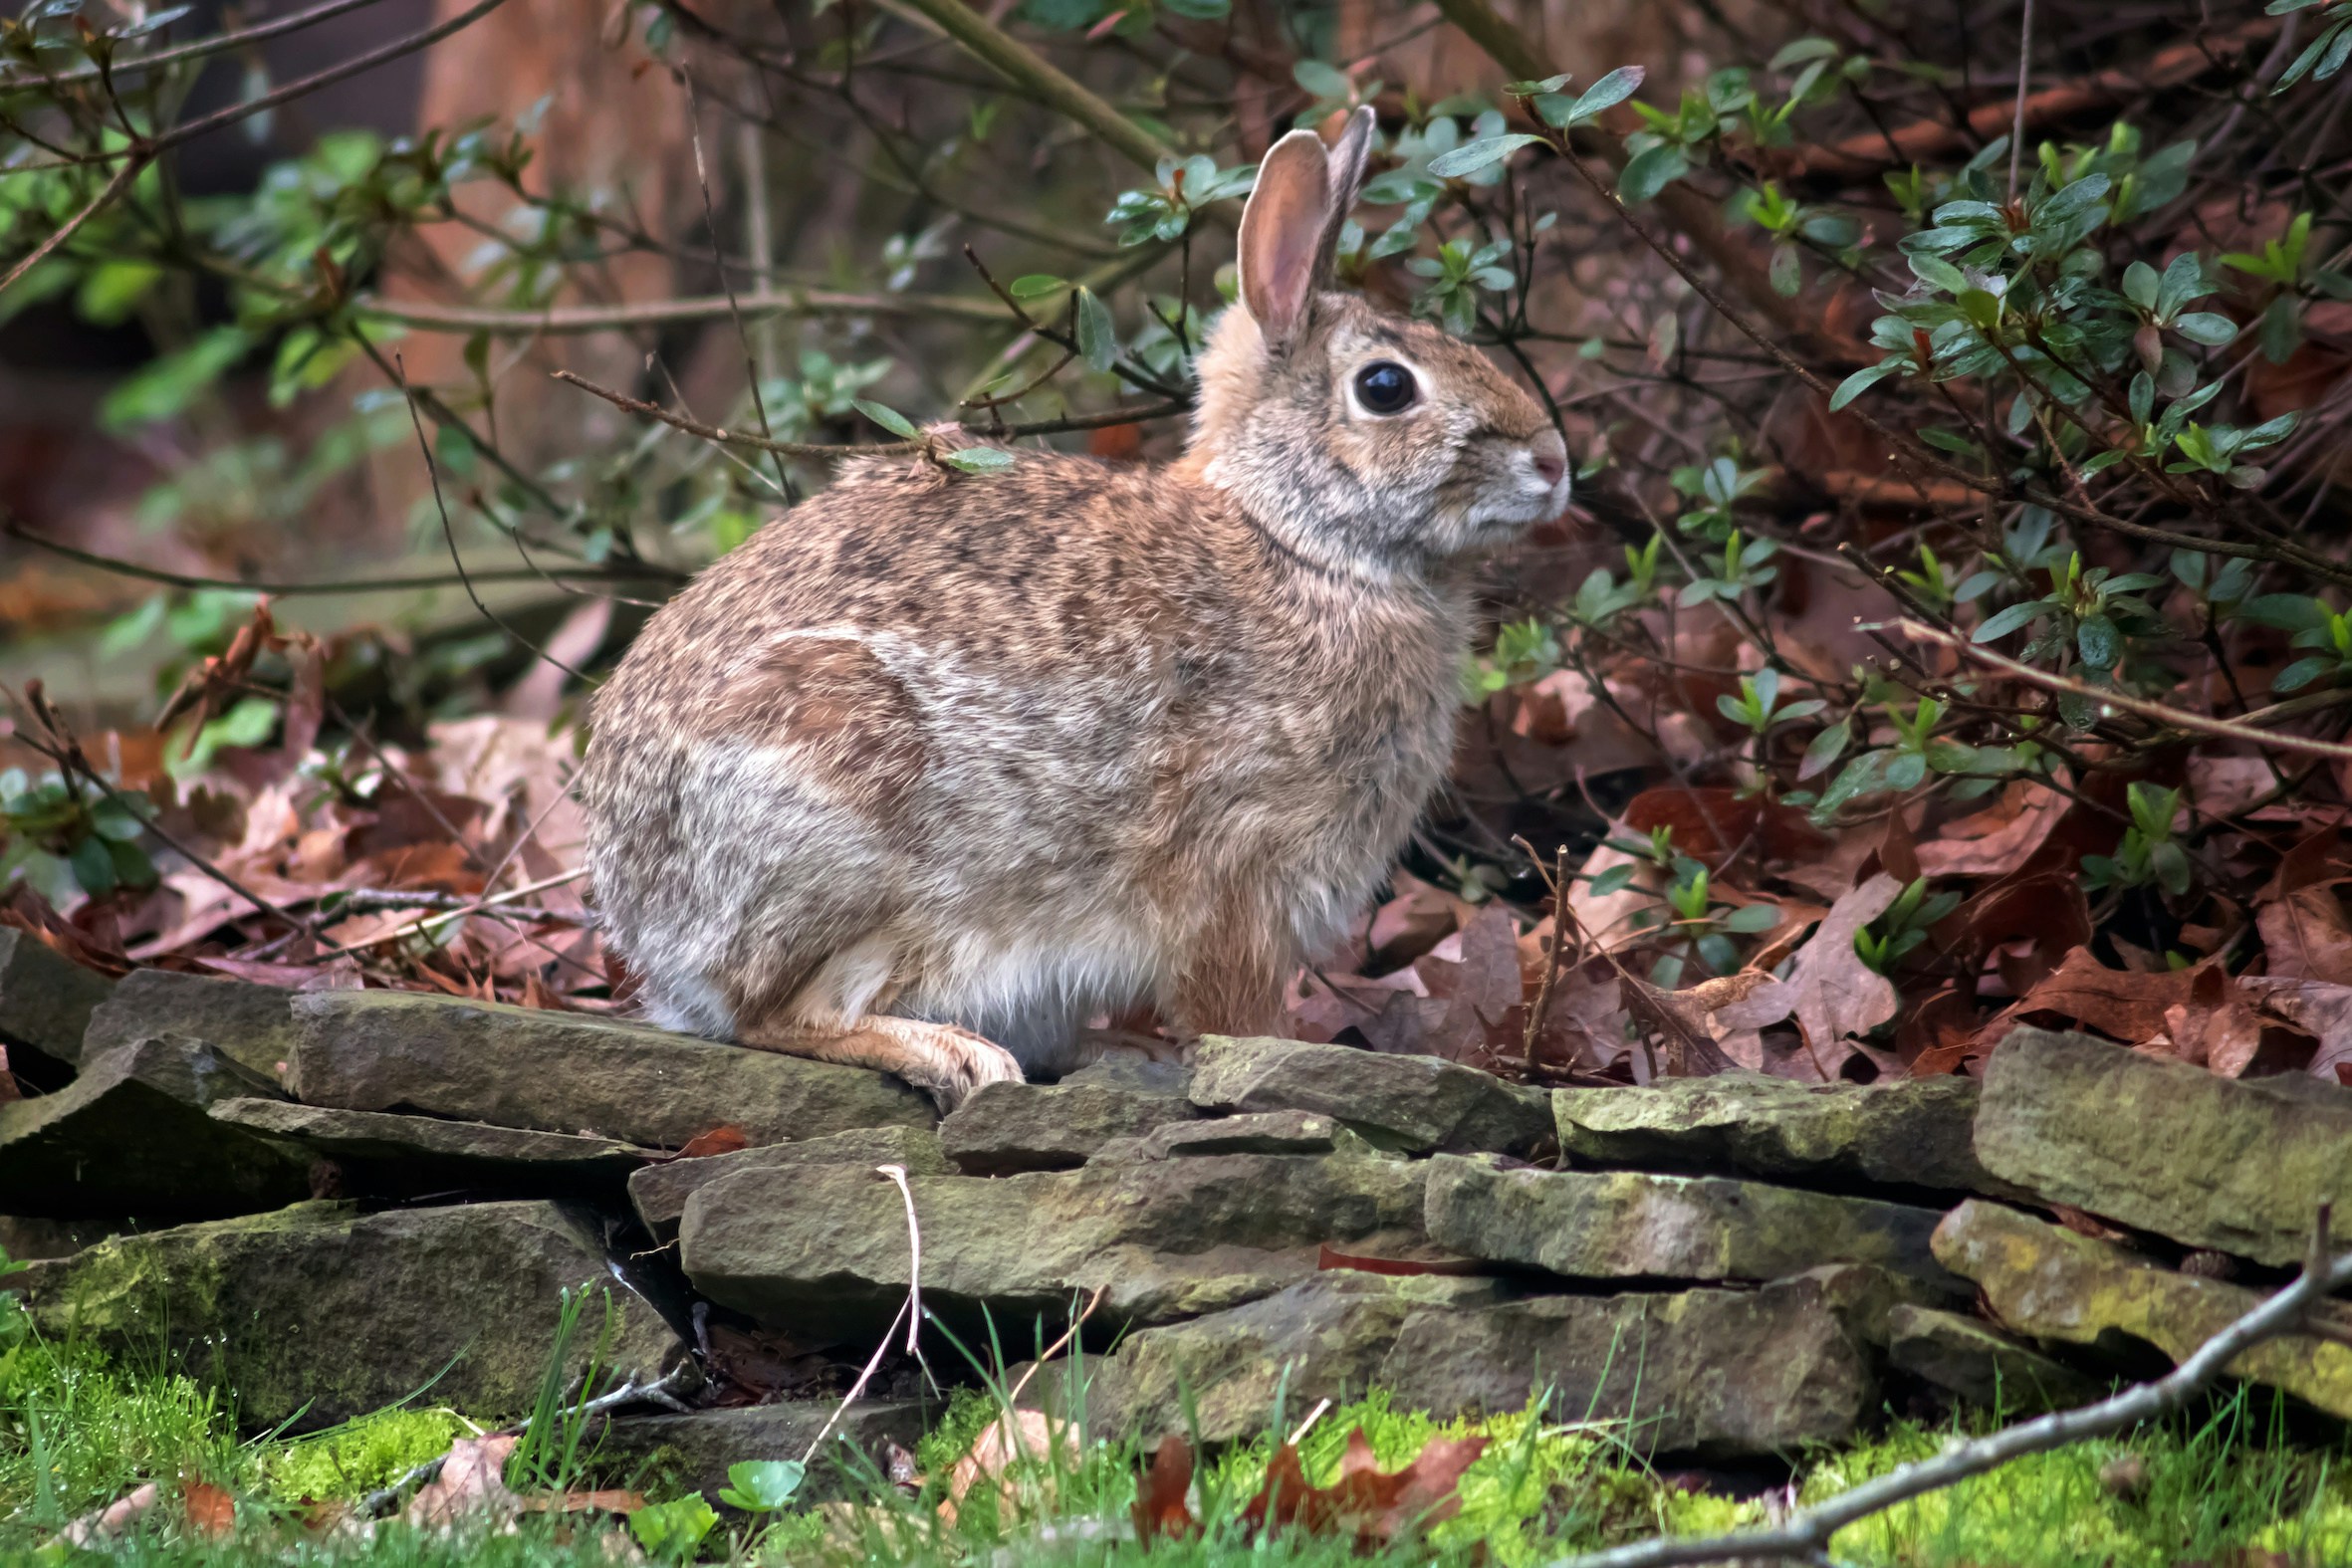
column 211, row 1512
column 1370, row 1506
column 1832, row 994
column 2213, row 1027
column 471, row 1482
column 2307, row 937
column 111, row 1520
column 1161, row 1511
column 1998, row 841
column 1017, row 1435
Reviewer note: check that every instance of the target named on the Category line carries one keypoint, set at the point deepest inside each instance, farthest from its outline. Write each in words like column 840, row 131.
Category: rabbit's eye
column 1385, row 387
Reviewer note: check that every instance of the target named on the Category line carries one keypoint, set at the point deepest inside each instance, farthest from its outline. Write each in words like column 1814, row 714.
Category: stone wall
column 331, row 1198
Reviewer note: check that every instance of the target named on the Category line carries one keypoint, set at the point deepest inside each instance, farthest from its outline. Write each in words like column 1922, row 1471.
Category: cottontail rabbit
column 938, row 764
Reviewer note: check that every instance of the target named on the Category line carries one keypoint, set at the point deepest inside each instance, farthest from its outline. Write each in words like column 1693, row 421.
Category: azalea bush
column 1951, row 626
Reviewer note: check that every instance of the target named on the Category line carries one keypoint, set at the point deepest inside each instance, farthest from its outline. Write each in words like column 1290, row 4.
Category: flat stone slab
column 2045, row 1281
column 1915, row 1131
column 321, row 1311
column 822, row 1249
column 674, row 1454
column 1629, row 1224
column 45, row 999
column 252, row 1024
column 1256, row 1132
column 1709, row 1373
column 384, row 1154
column 1007, row 1128
column 1980, row 1364
column 2235, row 1165
column 1326, row 1337
column 389, row 1050
column 1412, row 1104
column 130, row 1137
column 659, row 1192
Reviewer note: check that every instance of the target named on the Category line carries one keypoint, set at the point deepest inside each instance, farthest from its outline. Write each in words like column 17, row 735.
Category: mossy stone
column 317, row 1313
column 2235, row 1165
column 252, row 1024
column 46, row 1001
column 566, row 1072
column 659, row 1192
column 1630, row 1224
column 823, row 1250
column 1411, row 1104
column 2046, row 1281
column 1007, row 1128
column 130, row 1137
column 1913, row 1132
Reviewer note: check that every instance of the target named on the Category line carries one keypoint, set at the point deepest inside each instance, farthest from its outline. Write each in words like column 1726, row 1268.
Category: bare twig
column 66, row 230
column 1805, row 1535
column 1060, row 1345
column 910, row 1312
column 10, row 528
column 2179, row 718
column 836, row 451
column 200, row 49
column 2024, row 81
column 1001, row 52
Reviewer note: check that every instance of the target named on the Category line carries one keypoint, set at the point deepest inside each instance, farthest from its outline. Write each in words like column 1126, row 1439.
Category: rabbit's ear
column 1283, row 231
column 1349, row 156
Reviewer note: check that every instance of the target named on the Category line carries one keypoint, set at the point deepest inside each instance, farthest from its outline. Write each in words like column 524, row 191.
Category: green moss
column 358, row 1456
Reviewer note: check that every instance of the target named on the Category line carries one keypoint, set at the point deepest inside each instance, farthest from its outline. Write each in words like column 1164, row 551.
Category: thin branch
column 1042, row 80
column 10, row 528
column 148, row 147
column 202, row 48
column 836, row 451
column 2024, row 80
column 66, row 230
column 2179, row 718
column 1805, row 1535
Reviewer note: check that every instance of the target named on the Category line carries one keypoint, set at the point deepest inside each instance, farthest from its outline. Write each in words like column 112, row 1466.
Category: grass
column 77, row 1432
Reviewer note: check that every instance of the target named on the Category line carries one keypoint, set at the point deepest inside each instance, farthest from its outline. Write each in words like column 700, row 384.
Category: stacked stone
column 331, row 1198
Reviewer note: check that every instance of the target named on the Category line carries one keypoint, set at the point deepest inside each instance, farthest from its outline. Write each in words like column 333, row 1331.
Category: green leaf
column 161, row 388
column 1649, row 173
column 980, row 460
column 1748, row 919
column 1098, row 334
column 672, row 1531
column 1035, row 285
column 2300, row 674
column 2209, row 327
column 112, row 290
column 2099, row 641
column 1802, row 50
column 2288, row 612
column 1862, row 381
column 1476, row 155
column 762, row 1486
column 1865, row 774
column 889, row 418
column 1606, row 94
column 2139, row 284
column 93, row 868
column 2002, row 623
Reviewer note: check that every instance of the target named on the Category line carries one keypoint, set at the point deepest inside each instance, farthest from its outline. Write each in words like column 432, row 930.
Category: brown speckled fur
column 1000, row 751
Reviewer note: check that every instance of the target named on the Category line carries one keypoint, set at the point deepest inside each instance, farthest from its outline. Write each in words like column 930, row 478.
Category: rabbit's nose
column 1552, row 457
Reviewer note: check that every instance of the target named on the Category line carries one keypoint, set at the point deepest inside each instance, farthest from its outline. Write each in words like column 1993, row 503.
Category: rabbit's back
column 1042, row 719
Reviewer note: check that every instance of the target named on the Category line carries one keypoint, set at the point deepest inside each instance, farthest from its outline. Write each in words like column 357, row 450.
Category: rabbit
column 937, row 765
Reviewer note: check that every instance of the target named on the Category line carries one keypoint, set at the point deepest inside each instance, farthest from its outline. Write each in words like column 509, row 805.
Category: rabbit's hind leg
column 836, row 1015
column 945, row 1063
